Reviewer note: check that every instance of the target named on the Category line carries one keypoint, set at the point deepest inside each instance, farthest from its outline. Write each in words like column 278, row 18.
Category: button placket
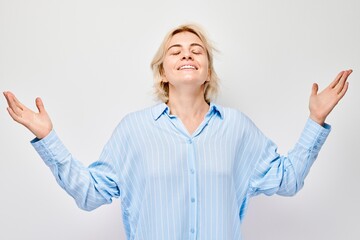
column 192, row 189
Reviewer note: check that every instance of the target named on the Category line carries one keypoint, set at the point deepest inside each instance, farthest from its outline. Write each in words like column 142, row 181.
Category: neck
column 187, row 106
column 190, row 106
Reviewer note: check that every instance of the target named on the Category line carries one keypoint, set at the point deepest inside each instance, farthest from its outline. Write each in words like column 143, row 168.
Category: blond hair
column 161, row 87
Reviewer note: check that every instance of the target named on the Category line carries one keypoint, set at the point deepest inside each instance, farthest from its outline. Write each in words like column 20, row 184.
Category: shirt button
column 189, row 141
column 192, row 171
column 192, row 200
column 192, row 230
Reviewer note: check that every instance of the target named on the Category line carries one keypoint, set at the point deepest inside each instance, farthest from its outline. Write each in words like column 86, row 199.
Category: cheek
column 166, row 66
column 205, row 63
column 206, row 69
column 165, row 70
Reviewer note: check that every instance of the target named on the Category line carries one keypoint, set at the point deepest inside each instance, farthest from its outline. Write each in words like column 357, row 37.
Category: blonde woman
column 187, row 167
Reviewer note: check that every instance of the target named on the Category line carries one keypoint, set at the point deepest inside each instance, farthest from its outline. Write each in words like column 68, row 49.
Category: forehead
column 184, row 38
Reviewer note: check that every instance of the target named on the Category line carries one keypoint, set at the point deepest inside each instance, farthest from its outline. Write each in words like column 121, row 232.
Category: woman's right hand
column 38, row 123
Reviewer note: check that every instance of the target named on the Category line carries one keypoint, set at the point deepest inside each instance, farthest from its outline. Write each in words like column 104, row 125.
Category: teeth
column 187, row 67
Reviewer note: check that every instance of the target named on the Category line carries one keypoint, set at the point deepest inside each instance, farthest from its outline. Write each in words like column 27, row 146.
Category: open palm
column 321, row 104
column 38, row 123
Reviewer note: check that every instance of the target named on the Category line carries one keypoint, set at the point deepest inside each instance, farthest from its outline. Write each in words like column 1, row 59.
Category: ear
column 208, row 76
column 164, row 79
column 163, row 75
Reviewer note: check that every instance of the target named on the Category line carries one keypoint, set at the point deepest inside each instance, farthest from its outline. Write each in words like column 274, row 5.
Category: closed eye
column 197, row 52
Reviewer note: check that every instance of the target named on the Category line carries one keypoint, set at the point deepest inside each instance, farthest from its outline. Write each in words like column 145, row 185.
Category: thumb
column 315, row 89
column 39, row 105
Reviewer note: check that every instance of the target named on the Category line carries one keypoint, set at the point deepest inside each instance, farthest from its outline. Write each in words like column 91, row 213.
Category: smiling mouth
column 186, row 67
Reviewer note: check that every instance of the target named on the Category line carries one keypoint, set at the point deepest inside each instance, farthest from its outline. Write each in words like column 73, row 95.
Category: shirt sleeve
column 284, row 175
column 90, row 186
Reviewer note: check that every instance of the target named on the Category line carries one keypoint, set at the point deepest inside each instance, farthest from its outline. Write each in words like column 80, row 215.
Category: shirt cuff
column 314, row 135
column 50, row 148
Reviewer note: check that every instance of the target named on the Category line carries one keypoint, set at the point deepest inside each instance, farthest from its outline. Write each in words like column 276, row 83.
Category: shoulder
column 138, row 113
column 139, row 118
column 236, row 119
column 231, row 114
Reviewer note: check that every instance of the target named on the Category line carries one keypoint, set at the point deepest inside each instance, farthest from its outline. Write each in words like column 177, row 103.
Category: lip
column 188, row 66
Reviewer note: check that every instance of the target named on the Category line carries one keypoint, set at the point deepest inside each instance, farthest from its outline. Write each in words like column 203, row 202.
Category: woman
column 184, row 168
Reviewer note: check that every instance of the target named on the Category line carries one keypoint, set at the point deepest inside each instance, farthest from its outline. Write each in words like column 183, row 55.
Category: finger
column 7, row 97
column 13, row 103
column 340, row 85
column 18, row 103
column 40, row 105
column 11, row 99
column 314, row 90
column 336, row 80
column 343, row 91
column 14, row 116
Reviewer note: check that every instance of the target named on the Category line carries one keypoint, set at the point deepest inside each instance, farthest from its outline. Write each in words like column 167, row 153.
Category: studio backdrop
column 90, row 63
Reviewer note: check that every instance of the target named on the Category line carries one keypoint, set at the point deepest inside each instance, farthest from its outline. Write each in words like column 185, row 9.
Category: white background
column 89, row 61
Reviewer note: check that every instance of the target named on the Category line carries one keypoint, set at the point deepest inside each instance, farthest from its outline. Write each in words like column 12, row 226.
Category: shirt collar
column 161, row 108
column 158, row 110
column 218, row 110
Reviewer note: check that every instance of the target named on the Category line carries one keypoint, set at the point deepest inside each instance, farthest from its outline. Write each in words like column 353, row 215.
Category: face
column 185, row 61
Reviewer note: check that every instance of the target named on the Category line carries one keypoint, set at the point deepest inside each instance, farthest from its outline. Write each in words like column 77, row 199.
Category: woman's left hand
column 321, row 104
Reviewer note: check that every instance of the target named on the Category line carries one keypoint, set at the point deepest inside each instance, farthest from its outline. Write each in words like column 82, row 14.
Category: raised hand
column 38, row 123
column 321, row 104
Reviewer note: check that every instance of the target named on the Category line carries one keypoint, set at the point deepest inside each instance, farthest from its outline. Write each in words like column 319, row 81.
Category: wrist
column 320, row 121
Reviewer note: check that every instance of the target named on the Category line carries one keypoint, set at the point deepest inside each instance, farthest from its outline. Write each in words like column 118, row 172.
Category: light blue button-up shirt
column 174, row 185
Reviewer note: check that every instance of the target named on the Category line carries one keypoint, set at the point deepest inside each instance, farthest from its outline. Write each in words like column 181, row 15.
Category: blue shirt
column 174, row 185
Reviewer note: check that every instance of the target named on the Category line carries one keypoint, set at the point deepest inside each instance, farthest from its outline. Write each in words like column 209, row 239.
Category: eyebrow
column 191, row 45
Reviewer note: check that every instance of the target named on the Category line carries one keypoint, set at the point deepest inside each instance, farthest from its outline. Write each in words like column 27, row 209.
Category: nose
column 187, row 55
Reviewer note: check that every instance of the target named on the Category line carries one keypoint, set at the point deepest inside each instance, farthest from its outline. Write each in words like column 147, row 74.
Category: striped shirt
column 174, row 185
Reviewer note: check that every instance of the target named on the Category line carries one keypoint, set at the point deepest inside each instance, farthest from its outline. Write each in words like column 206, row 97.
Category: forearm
column 302, row 156
column 284, row 175
column 85, row 184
